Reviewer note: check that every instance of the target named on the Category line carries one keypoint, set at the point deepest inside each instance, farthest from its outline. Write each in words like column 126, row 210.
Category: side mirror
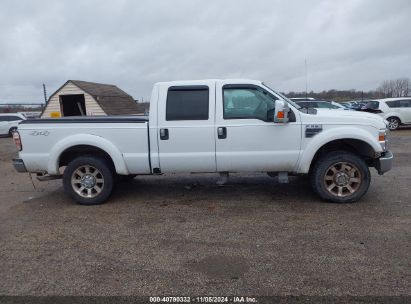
column 281, row 111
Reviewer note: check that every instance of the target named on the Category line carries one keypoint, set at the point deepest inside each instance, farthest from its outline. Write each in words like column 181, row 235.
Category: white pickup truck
column 208, row 126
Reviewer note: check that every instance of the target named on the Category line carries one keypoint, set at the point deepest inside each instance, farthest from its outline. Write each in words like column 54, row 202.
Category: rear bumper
column 384, row 163
column 19, row 165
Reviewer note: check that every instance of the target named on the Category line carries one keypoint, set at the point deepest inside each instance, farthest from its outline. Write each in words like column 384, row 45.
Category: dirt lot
column 183, row 235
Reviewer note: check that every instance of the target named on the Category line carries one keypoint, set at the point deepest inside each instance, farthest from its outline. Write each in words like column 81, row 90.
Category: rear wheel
column 393, row 123
column 88, row 180
column 340, row 177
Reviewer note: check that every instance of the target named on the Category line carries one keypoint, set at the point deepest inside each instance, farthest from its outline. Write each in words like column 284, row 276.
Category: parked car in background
column 31, row 115
column 9, row 123
column 319, row 104
column 339, row 105
column 354, row 105
column 397, row 111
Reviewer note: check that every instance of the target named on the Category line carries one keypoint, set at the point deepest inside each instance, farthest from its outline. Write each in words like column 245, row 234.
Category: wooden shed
column 81, row 98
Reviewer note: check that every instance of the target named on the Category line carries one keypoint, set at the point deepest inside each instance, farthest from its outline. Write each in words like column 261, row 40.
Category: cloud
column 347, row 44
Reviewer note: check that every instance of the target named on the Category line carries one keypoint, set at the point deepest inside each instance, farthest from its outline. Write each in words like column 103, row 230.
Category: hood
column 336, row 117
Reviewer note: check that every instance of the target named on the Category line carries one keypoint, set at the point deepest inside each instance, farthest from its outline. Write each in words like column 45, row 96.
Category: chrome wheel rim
column 342, row 179
column 87, row 181
column 393, row 124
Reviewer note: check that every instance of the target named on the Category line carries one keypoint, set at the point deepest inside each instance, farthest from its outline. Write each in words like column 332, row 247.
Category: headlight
column 383, row 139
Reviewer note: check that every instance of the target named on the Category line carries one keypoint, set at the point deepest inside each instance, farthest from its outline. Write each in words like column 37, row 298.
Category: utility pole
column 45, row 93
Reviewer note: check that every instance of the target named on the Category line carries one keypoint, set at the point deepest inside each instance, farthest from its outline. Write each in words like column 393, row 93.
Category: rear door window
column 393, row 103
column 187, row 103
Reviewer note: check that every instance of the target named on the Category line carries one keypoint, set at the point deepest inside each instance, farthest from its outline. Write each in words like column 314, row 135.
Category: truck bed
column 124, row 138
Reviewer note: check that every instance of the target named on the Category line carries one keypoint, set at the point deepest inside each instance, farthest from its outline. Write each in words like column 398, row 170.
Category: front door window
column 247, row 103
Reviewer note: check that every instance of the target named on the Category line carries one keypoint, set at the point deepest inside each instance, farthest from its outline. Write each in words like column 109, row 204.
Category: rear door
column 246, row 138
column 186, row 138
column 405, row 108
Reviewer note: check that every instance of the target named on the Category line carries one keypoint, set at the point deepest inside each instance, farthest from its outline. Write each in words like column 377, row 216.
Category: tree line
column 388, row 88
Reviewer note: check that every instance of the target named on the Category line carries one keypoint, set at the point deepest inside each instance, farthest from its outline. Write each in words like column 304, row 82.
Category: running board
column 44, row 178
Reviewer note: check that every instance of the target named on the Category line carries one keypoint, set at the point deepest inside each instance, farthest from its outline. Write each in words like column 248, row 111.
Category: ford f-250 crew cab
column 209, row 126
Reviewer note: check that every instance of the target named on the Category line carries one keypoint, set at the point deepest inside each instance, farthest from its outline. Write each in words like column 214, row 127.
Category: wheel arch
column 76, row 145
column 80, row 150
column 394, row 115
column 355, row 146
column 354, row 140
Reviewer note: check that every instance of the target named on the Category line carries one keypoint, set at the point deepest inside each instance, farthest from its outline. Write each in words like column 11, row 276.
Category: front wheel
column 393, row 123
column 88, row 180
column 340, row 177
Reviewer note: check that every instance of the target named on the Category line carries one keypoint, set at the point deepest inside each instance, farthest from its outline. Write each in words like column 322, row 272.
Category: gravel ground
column 183, row 235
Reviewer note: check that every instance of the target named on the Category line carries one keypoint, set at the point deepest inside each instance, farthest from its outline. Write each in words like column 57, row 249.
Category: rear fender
column 394, row 114
column 90, row 140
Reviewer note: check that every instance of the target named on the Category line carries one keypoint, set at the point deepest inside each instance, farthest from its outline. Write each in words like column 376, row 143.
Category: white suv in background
column 9, row 122
column 397, row 111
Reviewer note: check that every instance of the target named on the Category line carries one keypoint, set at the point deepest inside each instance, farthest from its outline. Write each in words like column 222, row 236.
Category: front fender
column 326, row 136
column 89, row 140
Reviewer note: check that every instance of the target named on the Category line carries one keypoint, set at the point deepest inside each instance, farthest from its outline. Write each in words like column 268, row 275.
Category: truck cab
column 221, row 126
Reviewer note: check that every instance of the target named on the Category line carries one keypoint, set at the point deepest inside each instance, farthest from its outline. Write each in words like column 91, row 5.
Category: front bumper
column 19, row 165
column 384, row 163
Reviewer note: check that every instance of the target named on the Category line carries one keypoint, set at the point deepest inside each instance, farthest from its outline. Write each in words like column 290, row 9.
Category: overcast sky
column 348, row 44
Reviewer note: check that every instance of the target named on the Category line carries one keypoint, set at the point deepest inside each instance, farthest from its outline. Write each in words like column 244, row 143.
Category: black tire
column 325, row 174
column 105, row 173
column 12, row 130
column 393, row 123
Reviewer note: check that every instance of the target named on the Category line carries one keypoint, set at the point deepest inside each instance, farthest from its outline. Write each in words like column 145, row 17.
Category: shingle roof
column 111, row 99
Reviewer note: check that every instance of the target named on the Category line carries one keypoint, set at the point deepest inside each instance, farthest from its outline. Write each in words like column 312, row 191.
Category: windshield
column 282, row 96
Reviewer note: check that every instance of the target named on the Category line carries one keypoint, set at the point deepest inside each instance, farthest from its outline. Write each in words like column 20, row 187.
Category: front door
column 186, row 136
column 247, row 138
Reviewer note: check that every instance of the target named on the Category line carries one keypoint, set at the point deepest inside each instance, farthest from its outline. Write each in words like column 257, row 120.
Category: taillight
column 17, row 140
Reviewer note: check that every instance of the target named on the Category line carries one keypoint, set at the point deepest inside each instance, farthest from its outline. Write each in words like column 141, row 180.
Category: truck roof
column 202, row 81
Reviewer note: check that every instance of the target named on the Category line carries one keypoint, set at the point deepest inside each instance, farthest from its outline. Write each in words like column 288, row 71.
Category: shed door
column 73, row 105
